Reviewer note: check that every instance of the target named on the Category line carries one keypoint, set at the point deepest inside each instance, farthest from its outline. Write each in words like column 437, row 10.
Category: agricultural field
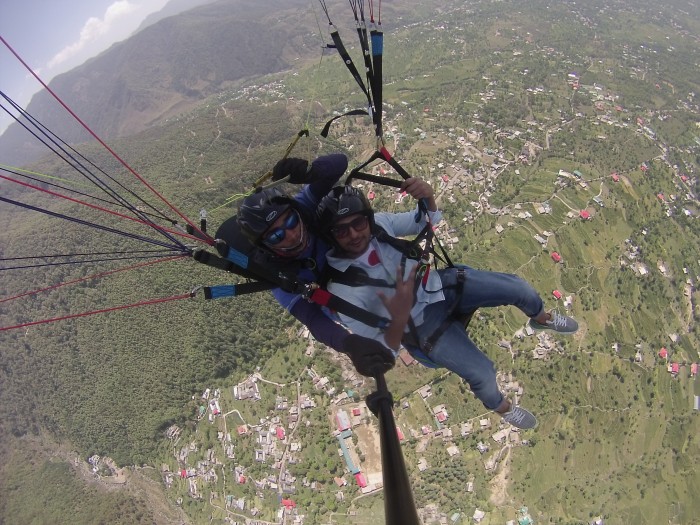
column 562, row 143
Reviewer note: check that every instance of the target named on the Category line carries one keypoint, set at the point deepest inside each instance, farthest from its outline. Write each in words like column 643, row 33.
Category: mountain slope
column 165, row 69
column 615, row 425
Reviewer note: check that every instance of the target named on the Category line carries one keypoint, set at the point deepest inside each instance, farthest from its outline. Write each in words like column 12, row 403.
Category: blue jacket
column 312, row 315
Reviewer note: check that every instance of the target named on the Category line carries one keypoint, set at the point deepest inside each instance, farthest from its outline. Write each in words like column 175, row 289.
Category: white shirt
column 396, row 225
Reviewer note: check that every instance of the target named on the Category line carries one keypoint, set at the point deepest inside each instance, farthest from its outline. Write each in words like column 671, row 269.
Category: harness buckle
column 461, row 275
column 305, row 290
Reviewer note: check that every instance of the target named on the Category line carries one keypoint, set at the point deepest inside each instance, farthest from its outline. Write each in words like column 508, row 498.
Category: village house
column 440, row 413
column 501, row 436
column 248, row 389
column 425, row 391
column 466, row 428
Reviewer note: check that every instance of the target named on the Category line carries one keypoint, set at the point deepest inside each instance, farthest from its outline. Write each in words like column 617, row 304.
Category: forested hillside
column 522, row 117
column 166, row 69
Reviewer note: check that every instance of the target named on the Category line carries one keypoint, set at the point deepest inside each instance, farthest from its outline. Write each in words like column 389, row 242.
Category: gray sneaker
column 562, row 324
column 520, row 417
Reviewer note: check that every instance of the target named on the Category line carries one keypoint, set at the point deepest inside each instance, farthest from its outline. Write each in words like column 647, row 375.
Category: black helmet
column 341, row 202
column 258, row 211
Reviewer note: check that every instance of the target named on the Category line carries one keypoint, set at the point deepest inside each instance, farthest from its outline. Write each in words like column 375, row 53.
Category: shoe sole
column 543, row 328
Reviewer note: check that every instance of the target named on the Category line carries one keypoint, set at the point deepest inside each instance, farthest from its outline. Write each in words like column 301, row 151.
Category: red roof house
column 556, row 294
column 615, row 177
column 340, row 481
column 242, row 430
column 342, row 420
column 361, row 481
column 370, row 196
column 241, row 479
column 663, row 353
column 288, row 503
column 675, row 367
column 280, row 433
column 441, row 417
column 406, row 358
column 556, row 257
column 399, row 434
column 584, row 215
column 356, row 411
column 694, row 369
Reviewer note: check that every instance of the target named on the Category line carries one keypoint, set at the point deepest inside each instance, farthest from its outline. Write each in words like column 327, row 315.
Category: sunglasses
column 277, row 235
column 359, row 224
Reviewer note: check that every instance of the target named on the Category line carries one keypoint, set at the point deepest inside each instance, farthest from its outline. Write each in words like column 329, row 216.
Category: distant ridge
column 172, row 8
column 165, row 69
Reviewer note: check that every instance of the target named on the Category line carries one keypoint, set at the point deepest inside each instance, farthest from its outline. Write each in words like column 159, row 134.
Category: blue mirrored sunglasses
column 277, row 235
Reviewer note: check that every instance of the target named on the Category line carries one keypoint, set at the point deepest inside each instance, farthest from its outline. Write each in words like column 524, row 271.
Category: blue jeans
column 454, row 349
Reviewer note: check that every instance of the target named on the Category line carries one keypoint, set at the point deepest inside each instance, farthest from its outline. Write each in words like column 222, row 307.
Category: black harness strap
column 449, row 318
column 240, row 267
column 234, row 290
column 409, row 249
column 384, row 181
column 340, row 47
column 325, row 298
column 375, row 85
column 355, row 277
column 326, row 129
column 372, row 60
column 267, row 280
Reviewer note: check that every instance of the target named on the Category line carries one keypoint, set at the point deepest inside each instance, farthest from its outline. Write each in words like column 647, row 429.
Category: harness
column 265, row 278
column 356, row 277
column 409, row 250
column 284, row 274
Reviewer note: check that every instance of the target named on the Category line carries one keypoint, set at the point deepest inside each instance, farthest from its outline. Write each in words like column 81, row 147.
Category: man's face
column 287, row 235
column 352, row 233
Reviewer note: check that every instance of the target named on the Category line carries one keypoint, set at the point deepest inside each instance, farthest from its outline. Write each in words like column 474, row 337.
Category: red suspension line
column 100, row 208
column 93, row 276
column 94, row 312
column 209, row 240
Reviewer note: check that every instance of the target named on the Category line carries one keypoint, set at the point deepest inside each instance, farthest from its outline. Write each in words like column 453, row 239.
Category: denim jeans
column 454, row 349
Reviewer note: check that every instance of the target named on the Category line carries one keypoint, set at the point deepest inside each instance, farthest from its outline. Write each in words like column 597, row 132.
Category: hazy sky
column 53, row 37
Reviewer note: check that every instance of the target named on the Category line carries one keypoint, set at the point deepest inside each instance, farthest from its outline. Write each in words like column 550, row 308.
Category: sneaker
column 520, row 417
column 557, row 322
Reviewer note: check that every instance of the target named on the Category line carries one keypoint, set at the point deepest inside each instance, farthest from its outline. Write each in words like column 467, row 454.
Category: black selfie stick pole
column 399, row 507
